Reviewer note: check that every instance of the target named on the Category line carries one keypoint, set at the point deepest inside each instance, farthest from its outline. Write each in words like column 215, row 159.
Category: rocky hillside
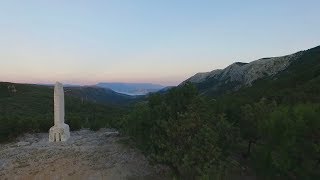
column 238, row 75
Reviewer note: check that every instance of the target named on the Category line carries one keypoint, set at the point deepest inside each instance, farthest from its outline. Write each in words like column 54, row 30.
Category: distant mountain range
column 239, row 75
column 217, row 82
column 101, row 95
column 131, row 88
column 123, row 90
column 64, row 85
column 93, row 94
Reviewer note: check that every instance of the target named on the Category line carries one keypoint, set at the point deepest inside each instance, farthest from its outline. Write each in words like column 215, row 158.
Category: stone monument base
column 59, row 133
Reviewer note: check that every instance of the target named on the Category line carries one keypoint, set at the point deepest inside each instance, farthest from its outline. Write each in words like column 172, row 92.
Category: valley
column 157, row 90
column 246, row 121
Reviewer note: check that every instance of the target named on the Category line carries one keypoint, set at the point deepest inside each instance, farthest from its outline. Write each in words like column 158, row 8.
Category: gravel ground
column 86, row 155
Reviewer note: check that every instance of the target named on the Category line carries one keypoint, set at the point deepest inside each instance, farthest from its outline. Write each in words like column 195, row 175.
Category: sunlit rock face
column 60, row 131
column 240, row 74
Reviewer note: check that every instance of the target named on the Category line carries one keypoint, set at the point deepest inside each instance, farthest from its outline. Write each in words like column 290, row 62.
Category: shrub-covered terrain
column 270, row 130
column 29, row 108
column 197, row 137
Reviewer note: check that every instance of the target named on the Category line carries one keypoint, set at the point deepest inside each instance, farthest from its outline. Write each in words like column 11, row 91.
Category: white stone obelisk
column 60, row 131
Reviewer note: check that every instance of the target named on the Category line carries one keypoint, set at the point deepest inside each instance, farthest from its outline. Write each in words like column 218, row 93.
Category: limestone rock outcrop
column 241, row 74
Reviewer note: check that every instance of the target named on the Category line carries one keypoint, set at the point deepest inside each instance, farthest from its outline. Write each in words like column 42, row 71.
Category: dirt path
column 87, row 155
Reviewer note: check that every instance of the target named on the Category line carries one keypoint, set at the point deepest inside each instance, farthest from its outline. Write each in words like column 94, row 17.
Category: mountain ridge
column 131, row 88
column 240, row 74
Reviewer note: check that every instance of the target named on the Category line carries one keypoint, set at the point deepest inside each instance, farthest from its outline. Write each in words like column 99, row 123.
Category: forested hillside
column 29, row 108
column 270, row 130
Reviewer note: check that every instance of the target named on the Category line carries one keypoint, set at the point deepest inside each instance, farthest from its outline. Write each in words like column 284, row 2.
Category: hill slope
column 25, row 107
column 299, row 82
column 239, row 75
column 268, row 127
column 101, row 95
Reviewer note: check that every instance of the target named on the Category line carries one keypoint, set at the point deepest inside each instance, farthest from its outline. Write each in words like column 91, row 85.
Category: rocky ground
column 87, row 155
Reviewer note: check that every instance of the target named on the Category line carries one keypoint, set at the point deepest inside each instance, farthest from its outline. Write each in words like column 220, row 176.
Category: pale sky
column 154, row 41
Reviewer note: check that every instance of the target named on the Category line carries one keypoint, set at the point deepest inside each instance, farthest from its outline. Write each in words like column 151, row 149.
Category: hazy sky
column 158, row 41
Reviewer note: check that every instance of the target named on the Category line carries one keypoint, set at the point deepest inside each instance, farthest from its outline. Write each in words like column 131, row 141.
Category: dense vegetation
column 180, row 129
column 198, row 138
column 271, row 129
column 29, row 108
